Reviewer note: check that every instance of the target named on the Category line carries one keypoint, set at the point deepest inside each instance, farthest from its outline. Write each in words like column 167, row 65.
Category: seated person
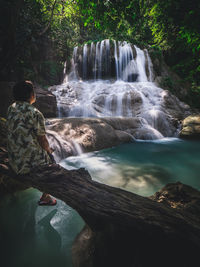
column 27, row 144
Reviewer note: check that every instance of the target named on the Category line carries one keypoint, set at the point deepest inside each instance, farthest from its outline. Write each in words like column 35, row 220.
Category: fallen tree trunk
column 123, row 229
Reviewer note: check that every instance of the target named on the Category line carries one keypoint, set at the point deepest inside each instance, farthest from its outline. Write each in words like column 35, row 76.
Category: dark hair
column 23, row 90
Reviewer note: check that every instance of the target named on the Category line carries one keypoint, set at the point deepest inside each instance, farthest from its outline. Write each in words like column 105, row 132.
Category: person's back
column 25, row 123
column 27, row 144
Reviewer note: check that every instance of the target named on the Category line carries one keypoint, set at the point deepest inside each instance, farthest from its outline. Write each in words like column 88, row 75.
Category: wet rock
column 191, row 127
column 176, row 108
column 90, row 133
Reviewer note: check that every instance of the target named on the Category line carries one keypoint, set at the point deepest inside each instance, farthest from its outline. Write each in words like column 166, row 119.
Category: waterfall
column 150, row 66
column 107, row 58
column 116, row 61
column 99, row 60
column 96, row 60
column 74, row 60
column 85, row 61
column 127, row 68
column 113, row 78
column 92, row 59
column 140, row 61
column 77, row 150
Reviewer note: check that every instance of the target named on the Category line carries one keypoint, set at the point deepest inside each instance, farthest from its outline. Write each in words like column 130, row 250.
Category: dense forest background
column 38, row 36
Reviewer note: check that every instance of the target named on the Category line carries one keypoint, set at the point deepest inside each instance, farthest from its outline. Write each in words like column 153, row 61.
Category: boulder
column 67, row 136
column 46, row 102
column 191, row 127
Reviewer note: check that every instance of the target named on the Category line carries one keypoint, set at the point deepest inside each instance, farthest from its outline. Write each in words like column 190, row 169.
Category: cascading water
column 115, row 79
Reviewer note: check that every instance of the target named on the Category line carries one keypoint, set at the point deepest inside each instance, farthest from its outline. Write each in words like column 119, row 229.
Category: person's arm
column 42, row 140
column 40, row 131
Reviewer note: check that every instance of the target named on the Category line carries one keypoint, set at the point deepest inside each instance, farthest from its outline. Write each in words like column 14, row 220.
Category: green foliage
column 50, row 70
column 39, row 35
column 175, row 28
column 194, row 96
column 33, row 32
column 156, row 53
column 119, row 20
column 168, row 83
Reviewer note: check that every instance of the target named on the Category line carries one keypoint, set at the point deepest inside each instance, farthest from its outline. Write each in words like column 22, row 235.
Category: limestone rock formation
column 95, row 133
column 191, row 127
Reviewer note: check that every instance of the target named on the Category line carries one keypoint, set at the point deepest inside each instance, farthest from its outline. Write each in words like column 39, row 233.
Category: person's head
column 24, row 91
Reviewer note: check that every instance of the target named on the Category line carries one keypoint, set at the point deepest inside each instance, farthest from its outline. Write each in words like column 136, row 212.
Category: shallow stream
column 42, row 236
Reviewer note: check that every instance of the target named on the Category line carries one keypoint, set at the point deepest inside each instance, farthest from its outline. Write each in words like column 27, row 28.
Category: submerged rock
column 191, row 128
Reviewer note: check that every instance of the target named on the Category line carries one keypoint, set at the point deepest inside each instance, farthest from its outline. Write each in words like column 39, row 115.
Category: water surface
column 36, row 236
column 42, row 236
column 143, row 167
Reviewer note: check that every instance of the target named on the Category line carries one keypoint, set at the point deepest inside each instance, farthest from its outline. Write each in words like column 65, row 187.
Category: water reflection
column 33, row 235
column 42, row 236
column 143, row 167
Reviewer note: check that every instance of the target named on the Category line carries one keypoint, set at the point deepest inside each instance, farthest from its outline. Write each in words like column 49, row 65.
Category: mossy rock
column 191, row 127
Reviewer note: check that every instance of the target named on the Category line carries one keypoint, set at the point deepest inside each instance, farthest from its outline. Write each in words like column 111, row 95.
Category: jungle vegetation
column 37, row 36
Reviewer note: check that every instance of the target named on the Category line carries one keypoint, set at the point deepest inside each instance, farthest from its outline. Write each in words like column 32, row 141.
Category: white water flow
column 85, row 61
column 116, row 61
column 115, row 79
column 150, row 66
column 140, row 62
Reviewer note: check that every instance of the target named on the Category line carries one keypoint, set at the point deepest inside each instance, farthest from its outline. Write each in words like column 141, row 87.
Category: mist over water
column 116, row 79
